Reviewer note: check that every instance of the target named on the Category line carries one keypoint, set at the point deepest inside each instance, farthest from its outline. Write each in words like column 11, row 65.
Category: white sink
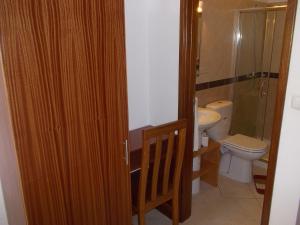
column 207, row 118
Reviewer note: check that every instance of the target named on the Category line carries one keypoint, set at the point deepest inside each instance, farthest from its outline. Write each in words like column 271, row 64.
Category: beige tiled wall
column 217, row 46
column 217, row 60
column 278, row 40
column 213, row 94
column 274, row 40
column 269, row 117
column 253, row 114
column 217, row 39
column 251, row 47
column 246, row 105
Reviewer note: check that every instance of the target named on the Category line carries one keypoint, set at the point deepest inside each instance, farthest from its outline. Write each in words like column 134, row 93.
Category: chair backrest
column 168, row 145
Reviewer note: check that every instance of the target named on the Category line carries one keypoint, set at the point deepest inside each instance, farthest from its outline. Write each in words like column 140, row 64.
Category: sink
column 207, row 118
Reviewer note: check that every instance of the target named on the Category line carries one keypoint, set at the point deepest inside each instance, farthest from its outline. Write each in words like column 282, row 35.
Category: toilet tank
column 221, row 130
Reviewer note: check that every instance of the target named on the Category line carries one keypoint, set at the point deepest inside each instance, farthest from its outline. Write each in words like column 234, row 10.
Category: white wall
column 286, row 195
column 164, row 19
column 137, row 62
column 3, row 216
column 152, row 46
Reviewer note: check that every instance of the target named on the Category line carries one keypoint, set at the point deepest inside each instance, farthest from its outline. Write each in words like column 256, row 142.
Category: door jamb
column 187, row 81
column 280, row 100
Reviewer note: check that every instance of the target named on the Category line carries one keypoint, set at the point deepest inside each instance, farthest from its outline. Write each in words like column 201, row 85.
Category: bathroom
column 238, row 62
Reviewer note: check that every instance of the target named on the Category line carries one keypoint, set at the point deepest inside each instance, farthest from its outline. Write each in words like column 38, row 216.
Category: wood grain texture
column 187, row 84
column 156, row 189
column 210, row 161
column 168, row 161
column 64, row 63
column 156, row 166
column 280, row 100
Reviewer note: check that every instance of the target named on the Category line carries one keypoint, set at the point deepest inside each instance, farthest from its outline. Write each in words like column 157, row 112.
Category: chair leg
column 175, row 211
column 141, row 218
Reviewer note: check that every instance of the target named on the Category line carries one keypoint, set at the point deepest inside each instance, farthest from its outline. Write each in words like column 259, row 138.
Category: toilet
column 238, row 151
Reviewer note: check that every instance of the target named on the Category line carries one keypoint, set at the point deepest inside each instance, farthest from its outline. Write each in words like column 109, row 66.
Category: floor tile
column 232, row 203
column 214, row 209
column 233, row 189
column 260, row 202
column 154, row 218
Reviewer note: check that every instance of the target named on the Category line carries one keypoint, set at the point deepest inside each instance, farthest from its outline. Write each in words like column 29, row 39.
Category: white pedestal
column 196, row 182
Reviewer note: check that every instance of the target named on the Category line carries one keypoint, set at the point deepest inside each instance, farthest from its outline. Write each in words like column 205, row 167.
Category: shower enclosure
column 259, row 45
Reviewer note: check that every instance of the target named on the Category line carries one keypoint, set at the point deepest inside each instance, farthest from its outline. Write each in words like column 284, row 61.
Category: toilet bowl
column 238, row 151
column 243, row 150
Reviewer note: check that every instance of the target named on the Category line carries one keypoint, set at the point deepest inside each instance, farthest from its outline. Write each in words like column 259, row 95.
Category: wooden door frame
column 280, row 100
column 187, row 83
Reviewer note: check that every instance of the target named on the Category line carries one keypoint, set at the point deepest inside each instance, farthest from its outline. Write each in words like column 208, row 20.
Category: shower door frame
column 264, row 85
column 237, row 56
column 187, row 83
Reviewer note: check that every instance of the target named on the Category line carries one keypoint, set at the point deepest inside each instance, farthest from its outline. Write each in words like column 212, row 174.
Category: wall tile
column 217, row 39
column 214, row 94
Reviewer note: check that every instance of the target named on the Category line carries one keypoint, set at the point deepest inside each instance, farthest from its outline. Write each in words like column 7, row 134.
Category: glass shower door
column 257, row 70
column 271, row 64
column 248, row 101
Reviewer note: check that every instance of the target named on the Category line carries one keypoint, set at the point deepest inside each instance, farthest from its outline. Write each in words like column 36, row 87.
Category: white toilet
column 238, row 151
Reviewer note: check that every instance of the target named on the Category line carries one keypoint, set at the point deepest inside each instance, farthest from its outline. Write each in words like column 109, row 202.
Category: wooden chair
column 159, row 183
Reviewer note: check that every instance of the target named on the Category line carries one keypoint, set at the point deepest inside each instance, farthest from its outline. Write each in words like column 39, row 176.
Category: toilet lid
column 245, row 143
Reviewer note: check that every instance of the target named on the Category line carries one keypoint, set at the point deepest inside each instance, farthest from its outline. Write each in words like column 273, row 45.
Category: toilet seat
column 245, row 143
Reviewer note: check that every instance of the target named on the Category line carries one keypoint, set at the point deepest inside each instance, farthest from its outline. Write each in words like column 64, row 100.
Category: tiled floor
column 232, row 203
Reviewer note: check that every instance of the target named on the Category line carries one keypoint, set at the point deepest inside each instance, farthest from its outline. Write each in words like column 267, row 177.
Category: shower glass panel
column 248, row 67
column 257, row 66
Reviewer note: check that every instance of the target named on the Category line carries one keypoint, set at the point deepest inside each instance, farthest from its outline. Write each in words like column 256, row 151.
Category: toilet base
column 236, row 168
